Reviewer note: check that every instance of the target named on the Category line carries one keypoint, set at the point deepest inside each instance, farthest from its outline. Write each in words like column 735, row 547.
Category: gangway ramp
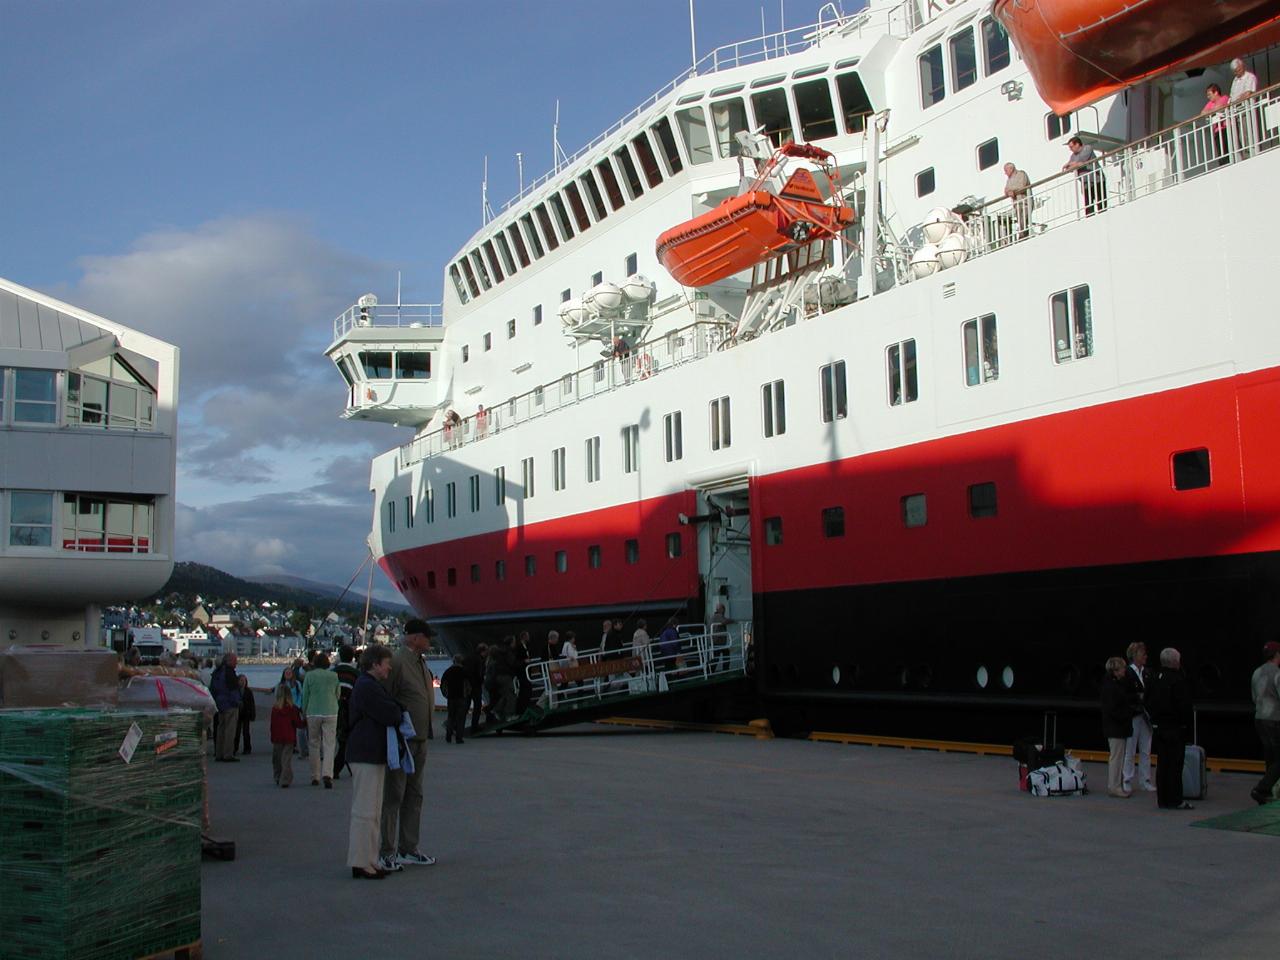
column 601, row 683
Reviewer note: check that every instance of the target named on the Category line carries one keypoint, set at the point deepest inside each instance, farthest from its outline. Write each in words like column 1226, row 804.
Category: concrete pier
column 607, row 842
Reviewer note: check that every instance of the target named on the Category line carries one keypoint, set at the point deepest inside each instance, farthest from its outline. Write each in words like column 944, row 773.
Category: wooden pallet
column 191, row 951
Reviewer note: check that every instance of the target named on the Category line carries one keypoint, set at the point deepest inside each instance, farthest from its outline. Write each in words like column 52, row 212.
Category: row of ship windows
column 962, row 52
column 987, row 153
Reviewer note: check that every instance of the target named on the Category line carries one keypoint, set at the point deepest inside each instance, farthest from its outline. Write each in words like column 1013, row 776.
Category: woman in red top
column 1215, row 100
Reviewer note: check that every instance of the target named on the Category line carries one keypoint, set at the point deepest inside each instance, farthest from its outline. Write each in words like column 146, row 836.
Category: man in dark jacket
column 225, row 687
column 1169, row 706
column 455, row 684
column 371, row 711
column 347, row 676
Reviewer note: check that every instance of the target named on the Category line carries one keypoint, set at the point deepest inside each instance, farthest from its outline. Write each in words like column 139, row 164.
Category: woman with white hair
column 1116, row 724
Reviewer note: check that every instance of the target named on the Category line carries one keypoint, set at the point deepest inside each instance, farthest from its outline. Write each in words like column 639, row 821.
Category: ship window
column 915, row 512
column 499, row 569
column 933, row 84
column 729, row 117
column 341, row 365
column 597, row 278
column 593, row 557
column 566, row 295
column 517, row 241
column 500, row 240
column 814, row 110
column 675, row 546
column 558, row 468
column 473, row 487
column 631, row 448
column 835, row 397
column 577, row 206
column 593, row 195
column 429, row 504
column 632, row 550
column 408, row 513
column 1056, row 126
column 630, row 175
column 770, row 107
column 450, row 500
column 629, row 265
column 982, row 500
column 1191, row 469
column 593, row 459
column 673, row 437
column 562, row 216
column 648, row 162
column 926, row 183
column 500, row 485
column 1072, row 313
column 772, row 531
column 471, row 277
column 530, row 565
column 492, row 257
column 456, row 276
column 721, row 436
column 903, row 383
column 481, row 271
column 526, row 476
column 475, row 573
column 833, row 522
column 692, row 124
column 548, row 231
column 667, row 141
column 988, row 154
column 537, row 314
column 377, row 364
column 981, row 359
column 431, row 579
column 531, row 232
column 964, row 59
column 995, row 45
column 466, row 352
column 610, row 181
column 452, row 576
column 511, row 329
column 855, row 105
column 562, row 561
column 488, row 341
column 773, row 399
column 391, row 517
column 414, row 365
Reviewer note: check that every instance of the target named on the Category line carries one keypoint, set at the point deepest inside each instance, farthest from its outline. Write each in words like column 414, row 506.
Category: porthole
column 835, row 675
column 1006, row 678
column 981, row 677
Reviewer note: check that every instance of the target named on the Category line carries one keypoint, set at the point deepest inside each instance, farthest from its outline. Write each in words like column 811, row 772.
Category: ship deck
column 611, row 842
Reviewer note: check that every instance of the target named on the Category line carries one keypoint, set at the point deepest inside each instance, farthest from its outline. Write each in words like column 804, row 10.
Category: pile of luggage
column 1048, row 771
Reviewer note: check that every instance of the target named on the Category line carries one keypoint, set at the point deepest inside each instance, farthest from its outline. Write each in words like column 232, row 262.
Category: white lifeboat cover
column 603, row 298
column 638, row 288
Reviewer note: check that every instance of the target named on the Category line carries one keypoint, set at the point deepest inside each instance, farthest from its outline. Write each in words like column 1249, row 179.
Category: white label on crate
column 131, row 741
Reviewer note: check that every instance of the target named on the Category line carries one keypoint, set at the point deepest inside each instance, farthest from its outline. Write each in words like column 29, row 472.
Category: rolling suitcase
column 1195, row 774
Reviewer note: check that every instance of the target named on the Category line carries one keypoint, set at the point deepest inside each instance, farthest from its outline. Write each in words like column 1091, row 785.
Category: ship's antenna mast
column 782, row 24
column 693, row 41
column 558, row 156
column 486, row 211
column 520, row 171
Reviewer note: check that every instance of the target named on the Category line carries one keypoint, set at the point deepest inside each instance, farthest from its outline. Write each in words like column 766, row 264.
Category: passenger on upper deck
column 1215, row 100
column 1017, row 187
column 482, row 422
column 1245, row 83
column 1084, row 161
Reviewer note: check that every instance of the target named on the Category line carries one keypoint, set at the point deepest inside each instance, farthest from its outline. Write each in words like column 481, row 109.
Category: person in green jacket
column 320, row 706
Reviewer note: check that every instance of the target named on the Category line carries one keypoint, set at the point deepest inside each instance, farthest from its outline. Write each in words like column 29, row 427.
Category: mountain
column 325, row 590
column 211, row 583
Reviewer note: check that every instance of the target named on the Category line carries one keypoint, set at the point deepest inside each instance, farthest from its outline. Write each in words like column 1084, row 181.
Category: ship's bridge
column 389, row 355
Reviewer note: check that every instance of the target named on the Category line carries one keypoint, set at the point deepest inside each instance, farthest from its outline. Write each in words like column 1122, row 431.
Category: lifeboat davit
column 1080, row 50
column 757, row 224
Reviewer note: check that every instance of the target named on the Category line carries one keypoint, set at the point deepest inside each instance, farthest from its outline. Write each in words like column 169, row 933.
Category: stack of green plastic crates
column 99, row 858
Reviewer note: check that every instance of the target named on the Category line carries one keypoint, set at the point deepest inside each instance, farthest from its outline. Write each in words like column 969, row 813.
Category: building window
column 1191, row 469
column 672, row 437
column 964, row 59
column 530, row 565
column 833, row 522
column 96, row 524
column 721, row 436
column 408, row 513
column 466, row 353
column 451, row 576
column 631, row 448
column 391, row 516
column 925, row 183
column 488, row 341
column 914, row 511
column 557, row 468
column 474, row 485
column 988, row 154
column 675, row 545
column 500, row 485
column 933, row 84
column 526, row 477
column 35, row 397
column 451, row 500
column 630, row 264
column 982, row 500
column 995, row 45
column 981, row 357
column 593, row 557
column 773, row 399
column 499, row 569
column 593, row 459
column 835, row 397
column 1056, row 126
column 537, row 315
column 772, row 531
column 1072, row 312
column 903, row 384
column 31, row 519
column 103, row 393
column 475, row 573
column 632, row 550
column 511, row 329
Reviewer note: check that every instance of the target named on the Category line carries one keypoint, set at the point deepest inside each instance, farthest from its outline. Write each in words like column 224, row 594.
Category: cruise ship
column 940, row 458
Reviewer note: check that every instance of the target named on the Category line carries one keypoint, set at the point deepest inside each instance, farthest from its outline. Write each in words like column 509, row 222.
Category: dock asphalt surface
column 601, row 842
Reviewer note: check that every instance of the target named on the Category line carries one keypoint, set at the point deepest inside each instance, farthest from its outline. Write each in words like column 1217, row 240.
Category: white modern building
column 88, row 447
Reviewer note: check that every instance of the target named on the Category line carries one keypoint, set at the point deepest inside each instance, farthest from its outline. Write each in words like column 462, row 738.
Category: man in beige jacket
column 410, row 684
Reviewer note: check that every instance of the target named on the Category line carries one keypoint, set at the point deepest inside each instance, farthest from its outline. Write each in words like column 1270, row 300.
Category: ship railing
column 388, row 315
column 1195, row 148
column 598, row 676
column 649, row 359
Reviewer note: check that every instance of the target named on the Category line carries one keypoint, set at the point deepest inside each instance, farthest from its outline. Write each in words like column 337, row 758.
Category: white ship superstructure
column 961, row 453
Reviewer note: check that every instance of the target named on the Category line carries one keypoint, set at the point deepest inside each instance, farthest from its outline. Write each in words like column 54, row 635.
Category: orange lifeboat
column 1080, row 50
column 757, row 224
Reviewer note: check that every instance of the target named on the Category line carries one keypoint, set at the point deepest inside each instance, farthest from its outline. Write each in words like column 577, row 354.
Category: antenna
column 486, row 211
column 782, row 24
column 397, row 291
column 520, row 171
column 558, row 156
column 693, row 40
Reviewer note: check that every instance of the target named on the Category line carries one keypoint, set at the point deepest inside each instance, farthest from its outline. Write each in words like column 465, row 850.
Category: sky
column 231, row 176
